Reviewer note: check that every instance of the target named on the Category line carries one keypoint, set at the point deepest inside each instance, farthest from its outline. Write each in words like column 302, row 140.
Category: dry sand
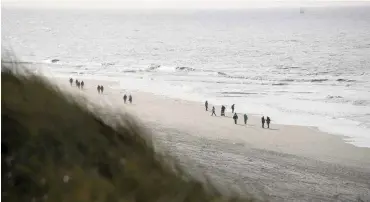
column 284, row 163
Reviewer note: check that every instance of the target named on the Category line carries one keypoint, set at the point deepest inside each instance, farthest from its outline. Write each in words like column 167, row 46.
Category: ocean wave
column 346, row 80
column 221, row 73
column 334, row 97
column 317, row 80
column 188, row 69
column 361, row 102
column 231, row 96
column 318, row 73
column 153, row 67
column 288, row 67
column 107, row 64
column 237, row 77
column 48, row 61
column 341, row 99
column 279, row 84
column 287, row 91
column 287, row 80
column 239, row 93
column 130, row 71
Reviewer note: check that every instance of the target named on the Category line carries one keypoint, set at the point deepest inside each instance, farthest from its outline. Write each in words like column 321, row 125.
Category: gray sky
column 178, row 4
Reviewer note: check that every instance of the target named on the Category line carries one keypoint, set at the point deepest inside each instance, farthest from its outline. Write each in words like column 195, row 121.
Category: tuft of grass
column 56, row 149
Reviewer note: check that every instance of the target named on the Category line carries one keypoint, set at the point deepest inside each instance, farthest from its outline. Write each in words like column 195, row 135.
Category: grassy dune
column 55, row 149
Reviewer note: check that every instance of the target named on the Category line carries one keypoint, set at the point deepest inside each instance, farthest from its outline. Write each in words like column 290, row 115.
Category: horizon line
column 178, row 5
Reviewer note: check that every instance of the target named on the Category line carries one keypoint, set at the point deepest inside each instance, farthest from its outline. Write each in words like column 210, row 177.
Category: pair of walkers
column 100, row 89
column 267, row 120
column 235, row 117
column 129, row 99
column 214, row 110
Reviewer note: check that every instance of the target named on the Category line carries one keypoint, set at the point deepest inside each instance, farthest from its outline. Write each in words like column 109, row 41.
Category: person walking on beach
column 235, row 117
column 82, row 84
column 78, row 84
column 102, row 88
column 222, row 110
column 71, row 81
column 232, row 108
column 213, row 111
column 245, row 119
column 263, row 122
column 124, row 98
column 130, row 99
column 98, row 88
column 268, row 120
column 206, row 105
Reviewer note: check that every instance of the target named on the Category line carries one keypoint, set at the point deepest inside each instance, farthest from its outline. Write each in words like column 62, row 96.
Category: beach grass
column 54, row 148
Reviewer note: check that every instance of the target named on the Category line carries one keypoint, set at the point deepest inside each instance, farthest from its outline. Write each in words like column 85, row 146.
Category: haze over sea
column 308, row 69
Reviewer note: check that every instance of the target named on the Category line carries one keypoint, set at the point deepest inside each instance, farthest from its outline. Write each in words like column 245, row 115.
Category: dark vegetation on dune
column 56, row 149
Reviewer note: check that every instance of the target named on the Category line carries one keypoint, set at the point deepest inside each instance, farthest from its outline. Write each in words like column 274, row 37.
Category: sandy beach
column 283, row 163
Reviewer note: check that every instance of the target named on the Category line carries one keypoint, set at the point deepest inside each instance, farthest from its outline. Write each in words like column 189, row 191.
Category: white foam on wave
column 167, row 69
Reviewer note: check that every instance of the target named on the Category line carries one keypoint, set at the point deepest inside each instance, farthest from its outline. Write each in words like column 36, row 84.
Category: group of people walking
column 79, row 84
column 129, row 98
column 235, row 116
column 100, row 89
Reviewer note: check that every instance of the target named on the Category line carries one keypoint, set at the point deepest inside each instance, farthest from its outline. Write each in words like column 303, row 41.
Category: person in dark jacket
column 78, row 84
column 268, row 120
column 71, row 81
column 213, row 111
column 76, row 81
column 102, row 88
column 98, row 88
column 263, row 122
column 130, row 99
column 206, row 105
column 222, row 110
column 124, row 98
column 245, row 119
column 232, row 108
column 235, row 117
column 82, row 84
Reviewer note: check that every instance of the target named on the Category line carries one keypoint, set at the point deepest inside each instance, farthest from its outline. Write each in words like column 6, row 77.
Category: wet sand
column 283, row 163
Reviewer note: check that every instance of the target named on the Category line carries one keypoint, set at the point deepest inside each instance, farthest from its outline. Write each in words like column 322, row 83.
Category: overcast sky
column 178, row 4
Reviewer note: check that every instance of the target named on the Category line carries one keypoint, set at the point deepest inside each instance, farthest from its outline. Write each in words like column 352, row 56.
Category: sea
column 310, row 68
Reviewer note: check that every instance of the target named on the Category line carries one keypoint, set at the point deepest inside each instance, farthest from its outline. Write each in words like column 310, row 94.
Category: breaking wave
column 188, row 69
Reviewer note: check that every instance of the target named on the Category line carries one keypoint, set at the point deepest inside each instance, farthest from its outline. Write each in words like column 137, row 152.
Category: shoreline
column 279, row 138
column 346, row 138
